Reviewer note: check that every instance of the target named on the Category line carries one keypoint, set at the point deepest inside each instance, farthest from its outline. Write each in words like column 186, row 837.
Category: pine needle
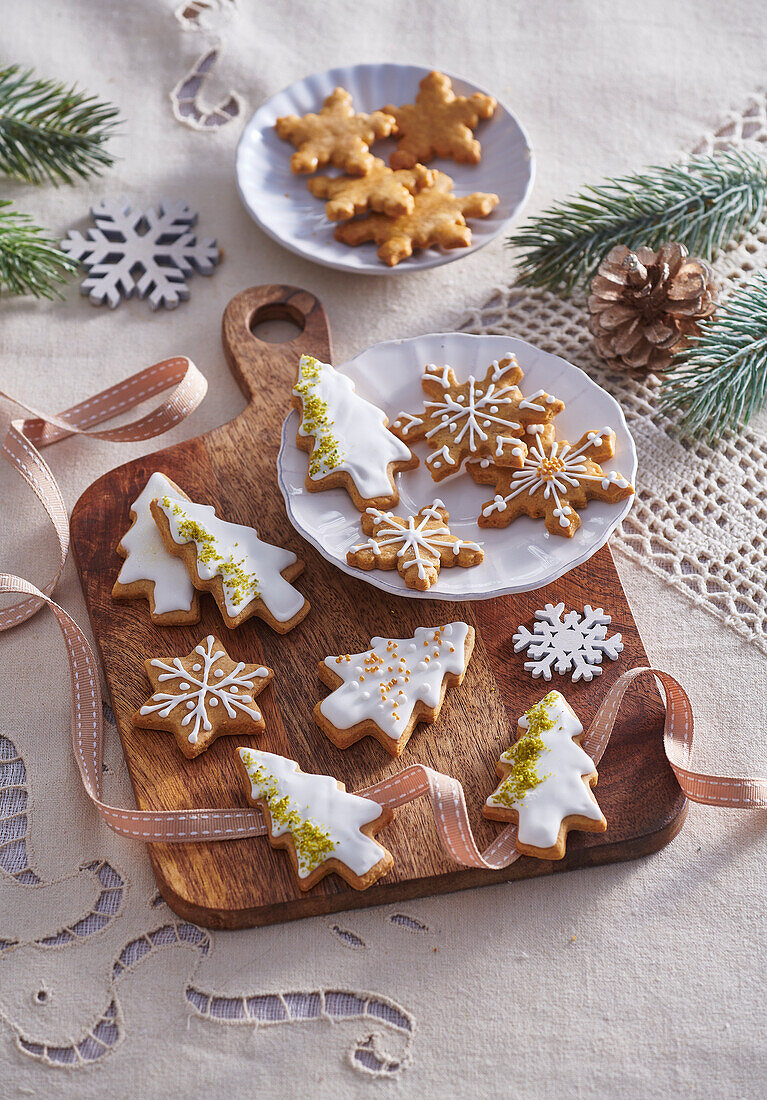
column 721, row 377
column 49, row 131
column 703, row 204
column 30, row 261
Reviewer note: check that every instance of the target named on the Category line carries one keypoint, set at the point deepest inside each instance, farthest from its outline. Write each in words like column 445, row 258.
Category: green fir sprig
column 49, row 131
column 30, row 261
column 720, row 380
column 703, row 204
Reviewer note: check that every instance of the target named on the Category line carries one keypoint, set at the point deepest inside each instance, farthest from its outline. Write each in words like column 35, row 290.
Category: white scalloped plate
column 281, row 204
column 518, row 558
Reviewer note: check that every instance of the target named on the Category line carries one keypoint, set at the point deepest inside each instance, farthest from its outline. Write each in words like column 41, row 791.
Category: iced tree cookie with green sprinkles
column 546, row 780
column 202, row 696
column 322, row 827
column 348, row 439
column 247, row 576
column 387, row 690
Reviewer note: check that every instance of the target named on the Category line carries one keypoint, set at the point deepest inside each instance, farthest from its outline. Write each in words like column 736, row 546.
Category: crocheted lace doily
column 700, row 518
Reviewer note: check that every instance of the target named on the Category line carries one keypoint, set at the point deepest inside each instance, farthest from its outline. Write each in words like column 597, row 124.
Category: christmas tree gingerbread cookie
column 335, row 136
column 438, row 219
column 246, row 575
column 347, row 437
column 477, row 417
column 202, row 696
column 555, row 479
column 150, row 571
column 391, row 687
column 323, row 828
column 546, row 780
column 439, row 124
column 381, row 189
column 417, row 547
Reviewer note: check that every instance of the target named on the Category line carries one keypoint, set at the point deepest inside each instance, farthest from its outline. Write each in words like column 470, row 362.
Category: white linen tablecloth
column 645, row 978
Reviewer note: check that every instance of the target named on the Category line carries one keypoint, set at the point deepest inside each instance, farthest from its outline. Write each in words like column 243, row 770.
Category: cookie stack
column 402, row 206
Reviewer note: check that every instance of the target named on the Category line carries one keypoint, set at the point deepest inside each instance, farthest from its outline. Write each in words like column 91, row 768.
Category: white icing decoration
column 317, row 799
column 571, row 643
column 450, row 413
column 431, row 369
column 405, row 421
column 196, row 696
column 501, row 366
column 148, row 558
column 397, row 681
column 529, row 402
column 233, row 542
column 532, row 477
column 436, row 458
column 560, row 766
column 365, row 445
column 410, row 535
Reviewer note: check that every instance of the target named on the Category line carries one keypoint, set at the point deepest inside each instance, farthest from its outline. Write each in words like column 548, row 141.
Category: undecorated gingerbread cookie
column 349, row 443
column 438, row 218
column 387, row 690
column 380, row 189
column 246, row 575
column 418, row 547
column 556, row 478
column 322, row 827
column 335, row 136
column 546, row 780
column 202, row 696
column 439, row 124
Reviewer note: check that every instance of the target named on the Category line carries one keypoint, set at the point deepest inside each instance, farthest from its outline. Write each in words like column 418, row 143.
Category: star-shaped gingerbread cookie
column 556, row 478
column 335, row 136
column 439, row 124
column 477, row 417
column 417, row 547
column 202, row 696
column 438, row 217
column 380, row 189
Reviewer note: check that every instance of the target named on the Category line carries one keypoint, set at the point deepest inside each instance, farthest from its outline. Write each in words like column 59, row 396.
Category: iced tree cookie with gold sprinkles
column 556, row 478
column 323, row 828
column 417, row 547
column 387, row 690
column 246, row 575
column 347, row 437
column 546, row 780
column 336, row 135
column 202, row 696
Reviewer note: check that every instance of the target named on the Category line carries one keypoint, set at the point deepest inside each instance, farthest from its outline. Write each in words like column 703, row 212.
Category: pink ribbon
column 445, row 793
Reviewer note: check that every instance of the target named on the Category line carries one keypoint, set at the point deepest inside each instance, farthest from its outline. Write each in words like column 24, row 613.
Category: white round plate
column 284, row 208
column 518, row 558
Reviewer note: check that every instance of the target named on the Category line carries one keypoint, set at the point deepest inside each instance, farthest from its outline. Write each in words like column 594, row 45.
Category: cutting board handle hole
column 277, row 323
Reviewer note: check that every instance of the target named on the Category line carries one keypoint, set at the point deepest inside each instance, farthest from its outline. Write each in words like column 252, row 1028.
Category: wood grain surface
column 241, row 883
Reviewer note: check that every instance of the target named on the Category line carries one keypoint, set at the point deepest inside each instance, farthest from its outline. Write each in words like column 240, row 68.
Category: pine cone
column 644, row 305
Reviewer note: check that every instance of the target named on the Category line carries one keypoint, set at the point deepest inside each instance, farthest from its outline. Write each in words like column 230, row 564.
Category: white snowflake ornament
column 572, row 642
column 151, row 253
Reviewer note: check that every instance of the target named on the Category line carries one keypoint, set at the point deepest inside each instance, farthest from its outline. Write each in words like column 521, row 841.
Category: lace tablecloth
column 640, row 977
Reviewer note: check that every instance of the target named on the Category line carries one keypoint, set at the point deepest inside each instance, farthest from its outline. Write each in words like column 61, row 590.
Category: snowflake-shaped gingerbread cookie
column 417, row 546
column 477, row 417
column 439, row 123
column 149, row 253
column 336, row 135
column 570, row 642
column 202, row 696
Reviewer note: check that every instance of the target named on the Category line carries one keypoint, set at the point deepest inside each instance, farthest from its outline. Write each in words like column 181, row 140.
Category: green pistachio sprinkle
column 326, row 454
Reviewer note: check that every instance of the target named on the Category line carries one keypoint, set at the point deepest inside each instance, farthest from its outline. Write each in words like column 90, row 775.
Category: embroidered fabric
column 700, row 517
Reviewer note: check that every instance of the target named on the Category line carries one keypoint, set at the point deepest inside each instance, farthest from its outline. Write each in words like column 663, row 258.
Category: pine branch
column 721, row 378
column 30, row 261
column 51, row 132
column 703, row 204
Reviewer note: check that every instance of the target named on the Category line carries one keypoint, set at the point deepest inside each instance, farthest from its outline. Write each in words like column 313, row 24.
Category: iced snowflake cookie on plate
column 322, row 827
column 546, row 780
column 387, row 690
column 555, row 479
column 202, row 696
column 150, row 571
column 347, row 438
column 246, row 575
column 417, row 547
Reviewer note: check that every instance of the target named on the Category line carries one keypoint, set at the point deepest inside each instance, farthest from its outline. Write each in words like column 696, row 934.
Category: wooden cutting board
column 239, row 883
